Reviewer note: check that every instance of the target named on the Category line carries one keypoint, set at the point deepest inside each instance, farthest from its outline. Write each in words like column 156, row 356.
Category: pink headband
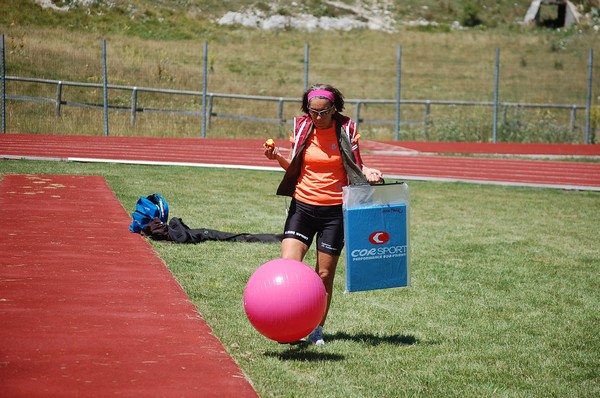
column 321, row 93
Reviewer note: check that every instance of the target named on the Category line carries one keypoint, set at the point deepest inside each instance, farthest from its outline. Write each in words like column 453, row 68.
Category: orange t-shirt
column 323, row 174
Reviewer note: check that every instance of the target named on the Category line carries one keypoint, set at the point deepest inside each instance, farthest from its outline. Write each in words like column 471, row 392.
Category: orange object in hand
column 269, row 144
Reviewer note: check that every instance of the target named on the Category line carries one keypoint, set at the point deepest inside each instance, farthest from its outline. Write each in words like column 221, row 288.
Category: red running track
column 88, row 309
column 404, row 160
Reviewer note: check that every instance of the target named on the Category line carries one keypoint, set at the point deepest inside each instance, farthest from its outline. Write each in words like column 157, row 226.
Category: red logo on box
column 379, row 237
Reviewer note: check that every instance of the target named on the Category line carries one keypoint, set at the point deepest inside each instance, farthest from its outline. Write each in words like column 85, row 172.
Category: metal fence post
column 105, row 87
column 398, row 87
column 588, row 105
column 357, row 112
column 573, row 118
column 210, row 107
column 3, row 81
column 427, row 118
column 280, row 114
column 496, row 83
column 133, row 106
column 58, row 100
column 305, row 66
column 204, row 80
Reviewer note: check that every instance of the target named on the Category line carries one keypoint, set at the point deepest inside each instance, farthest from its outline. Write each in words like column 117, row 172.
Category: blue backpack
column 148, row 208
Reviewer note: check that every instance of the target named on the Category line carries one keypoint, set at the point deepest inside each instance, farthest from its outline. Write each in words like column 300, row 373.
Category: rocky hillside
column 383, row 15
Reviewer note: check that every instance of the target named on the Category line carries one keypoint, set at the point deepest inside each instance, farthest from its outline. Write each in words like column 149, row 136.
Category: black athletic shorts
column 304, row 221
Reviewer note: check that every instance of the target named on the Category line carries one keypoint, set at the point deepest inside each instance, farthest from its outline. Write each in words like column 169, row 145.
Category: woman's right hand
column 271, row 152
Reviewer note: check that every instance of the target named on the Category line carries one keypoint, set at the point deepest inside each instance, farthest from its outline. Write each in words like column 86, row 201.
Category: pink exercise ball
column 285, row 300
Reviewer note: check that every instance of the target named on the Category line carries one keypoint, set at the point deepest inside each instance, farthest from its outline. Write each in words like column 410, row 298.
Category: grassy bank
column 438, row 64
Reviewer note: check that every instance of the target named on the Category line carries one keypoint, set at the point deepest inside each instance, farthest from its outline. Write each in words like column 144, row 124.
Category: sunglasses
column 322, row 113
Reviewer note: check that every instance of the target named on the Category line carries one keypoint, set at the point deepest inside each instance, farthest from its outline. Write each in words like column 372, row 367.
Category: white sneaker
column 317, row 336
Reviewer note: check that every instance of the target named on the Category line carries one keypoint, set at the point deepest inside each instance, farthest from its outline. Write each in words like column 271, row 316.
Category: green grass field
column 506, row 284
column 505, row 297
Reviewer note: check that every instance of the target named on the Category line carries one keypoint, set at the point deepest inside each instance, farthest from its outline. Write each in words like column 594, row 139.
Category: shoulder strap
column 302, row 126
column 348, row 129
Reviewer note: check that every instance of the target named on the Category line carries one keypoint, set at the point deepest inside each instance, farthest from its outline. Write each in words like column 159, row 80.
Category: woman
column 324, row 158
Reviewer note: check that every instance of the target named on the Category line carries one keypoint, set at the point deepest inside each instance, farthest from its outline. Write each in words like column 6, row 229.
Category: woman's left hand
column 373, row 175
